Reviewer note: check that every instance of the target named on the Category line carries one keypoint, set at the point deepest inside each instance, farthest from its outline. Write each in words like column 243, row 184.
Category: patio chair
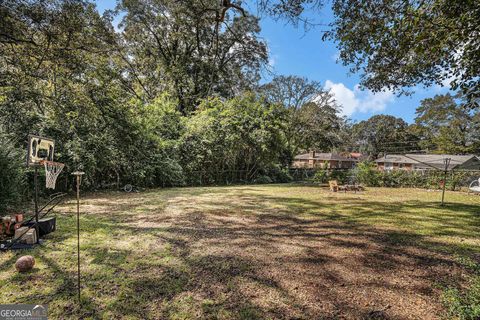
column 334, row 187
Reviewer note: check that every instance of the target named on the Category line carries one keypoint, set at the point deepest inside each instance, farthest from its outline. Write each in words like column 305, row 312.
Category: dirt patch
column 252, row 252
column 244, row 251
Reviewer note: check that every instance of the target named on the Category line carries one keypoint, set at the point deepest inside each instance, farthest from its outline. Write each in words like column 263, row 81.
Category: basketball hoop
column 52, row 171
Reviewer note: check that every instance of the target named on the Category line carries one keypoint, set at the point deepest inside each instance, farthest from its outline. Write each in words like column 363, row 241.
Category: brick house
column 426, row 161
column 314, row 159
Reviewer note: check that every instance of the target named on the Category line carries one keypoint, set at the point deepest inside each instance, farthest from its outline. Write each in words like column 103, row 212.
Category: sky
column 296, row 51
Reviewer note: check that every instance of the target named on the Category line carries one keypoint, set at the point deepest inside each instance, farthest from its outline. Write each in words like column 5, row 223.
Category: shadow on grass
column 244, row 254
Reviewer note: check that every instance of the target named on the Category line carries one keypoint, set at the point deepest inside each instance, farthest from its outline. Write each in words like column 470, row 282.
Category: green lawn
column 258, row 252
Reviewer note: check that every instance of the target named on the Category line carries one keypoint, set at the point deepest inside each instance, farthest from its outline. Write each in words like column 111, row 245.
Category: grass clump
column 463, row 304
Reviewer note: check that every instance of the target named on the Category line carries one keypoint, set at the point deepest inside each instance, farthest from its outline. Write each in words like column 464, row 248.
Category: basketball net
column 52, row 171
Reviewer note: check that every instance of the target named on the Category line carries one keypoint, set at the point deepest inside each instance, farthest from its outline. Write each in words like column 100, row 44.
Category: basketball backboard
column 39, row 148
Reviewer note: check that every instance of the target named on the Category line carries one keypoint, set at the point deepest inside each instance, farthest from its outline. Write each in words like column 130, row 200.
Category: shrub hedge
column 12, row 174
column 366, row 173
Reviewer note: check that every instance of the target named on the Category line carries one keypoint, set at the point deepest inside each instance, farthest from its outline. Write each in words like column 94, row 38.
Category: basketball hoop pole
column 35, row 182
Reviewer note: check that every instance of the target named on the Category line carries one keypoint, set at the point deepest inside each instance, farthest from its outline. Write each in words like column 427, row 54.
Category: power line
column 402, row 142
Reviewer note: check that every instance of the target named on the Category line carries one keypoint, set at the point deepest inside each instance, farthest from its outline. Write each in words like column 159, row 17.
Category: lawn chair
column 475, row 186
column 334, row 187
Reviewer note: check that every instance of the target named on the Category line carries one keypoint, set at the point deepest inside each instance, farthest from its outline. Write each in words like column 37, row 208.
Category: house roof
column 434, row 160
column 437, row 160
column 396, row 158
column 324, row 157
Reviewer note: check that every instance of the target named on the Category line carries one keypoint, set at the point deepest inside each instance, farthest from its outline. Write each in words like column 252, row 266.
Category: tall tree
column 446, row 125
column 192, row 48
column 294, row 11
column 384, row 134
column 12, row 166
column 317, row 126
column 293, row 91
column 48, row 50
column 399, row 43
column 243, row 136
column 60, row 77
column 313, row 121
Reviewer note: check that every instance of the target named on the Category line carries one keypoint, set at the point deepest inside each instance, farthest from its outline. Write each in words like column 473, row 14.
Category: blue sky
column 296, row 52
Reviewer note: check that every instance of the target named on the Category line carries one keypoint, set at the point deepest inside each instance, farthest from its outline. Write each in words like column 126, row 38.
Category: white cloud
column 445, row 86
column 271, row 61
column 344, row 96
column 336, row 56
column 357, row 100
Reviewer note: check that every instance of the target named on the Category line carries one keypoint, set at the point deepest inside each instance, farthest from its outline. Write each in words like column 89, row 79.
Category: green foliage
column 313, row 120
column 463, row 304
column 12, row 175
column 293, row 92
column 395, row 178
column 176, row 46
column 342, row 176
column 244, row 135
column 65, row 73
column 400, row 44
column 317, row 125
column 59, row 79
column 446, row 125
column 263, row 180
column 383, row 133
column 366, row 173
column 167, row 100
column 321, row 176
column 153, row 158
column 324, row 175
column 279, row 174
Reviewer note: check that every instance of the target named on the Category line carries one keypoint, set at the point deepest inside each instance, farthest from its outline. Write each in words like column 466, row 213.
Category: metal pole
column 78, row 237
column 35, row 182
column 447, row 163
column 78, row 175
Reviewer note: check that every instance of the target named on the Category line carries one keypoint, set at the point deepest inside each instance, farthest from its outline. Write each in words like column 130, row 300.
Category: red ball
column 25, row 263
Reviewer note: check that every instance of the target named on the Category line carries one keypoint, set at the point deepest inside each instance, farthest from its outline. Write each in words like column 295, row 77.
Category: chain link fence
column 428, row 179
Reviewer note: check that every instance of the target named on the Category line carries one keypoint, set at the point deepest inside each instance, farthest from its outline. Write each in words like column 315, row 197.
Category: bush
column 367, row 174
column 325, row 175
column 244, row 134
column 321, row 176
column 461, row 178
column 263, row 180
column 392, row 178
column 12, row 174
column 280, row 175
column 340, row 175
column 155, row 128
